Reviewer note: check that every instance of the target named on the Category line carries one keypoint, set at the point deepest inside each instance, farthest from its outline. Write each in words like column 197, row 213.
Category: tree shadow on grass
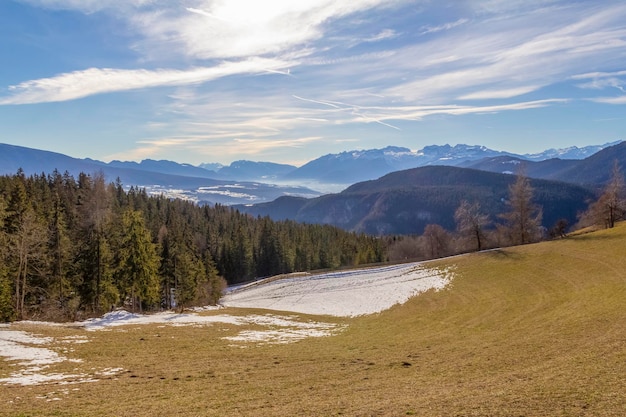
column 599, row 237
column 504, row 254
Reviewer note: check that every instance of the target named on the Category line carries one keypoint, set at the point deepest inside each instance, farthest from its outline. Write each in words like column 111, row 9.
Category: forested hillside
column 405, row 202
column 70, row 246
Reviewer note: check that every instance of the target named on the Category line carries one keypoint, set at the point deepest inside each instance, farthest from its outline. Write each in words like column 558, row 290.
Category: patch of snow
column 279, row 329
column 346, row 294
column 32, row 360
column 110, row 371
column 279, row 336
column 14, row 346
column 124, row 318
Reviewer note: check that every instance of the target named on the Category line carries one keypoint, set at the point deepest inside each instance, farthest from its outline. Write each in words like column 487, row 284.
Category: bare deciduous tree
column 611, row 205
column 27, row 244
column 436, row 240
column 523, row 220
column 471, row 222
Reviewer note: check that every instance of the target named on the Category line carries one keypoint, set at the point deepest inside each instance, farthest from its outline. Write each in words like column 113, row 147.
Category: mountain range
column 354, row 166
column 157, row 177
column 343, row 168
column 592, row 171
column 395, row 197
column 404, row 202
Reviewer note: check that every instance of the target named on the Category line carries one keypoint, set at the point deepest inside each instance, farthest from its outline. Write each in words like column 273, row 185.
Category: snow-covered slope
column 347, row 294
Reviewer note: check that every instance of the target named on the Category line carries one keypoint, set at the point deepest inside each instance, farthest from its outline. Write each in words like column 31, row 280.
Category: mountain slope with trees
column 405, row 202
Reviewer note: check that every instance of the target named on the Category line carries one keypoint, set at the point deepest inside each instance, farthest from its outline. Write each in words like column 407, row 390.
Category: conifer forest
column 75, row 247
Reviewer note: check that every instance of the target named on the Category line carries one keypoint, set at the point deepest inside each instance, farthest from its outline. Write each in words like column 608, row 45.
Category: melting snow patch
column 33, row 360
column 280, row 329
column 344, row 294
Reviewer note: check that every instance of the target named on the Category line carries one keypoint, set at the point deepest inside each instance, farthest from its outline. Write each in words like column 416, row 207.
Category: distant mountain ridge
column 355, row 166
column 343, row 168
column 237, row 182
column 158, row 177
column 594, row 170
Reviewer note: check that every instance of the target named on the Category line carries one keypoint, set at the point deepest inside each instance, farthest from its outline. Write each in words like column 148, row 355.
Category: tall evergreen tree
column 138, row 262
column 7, row 311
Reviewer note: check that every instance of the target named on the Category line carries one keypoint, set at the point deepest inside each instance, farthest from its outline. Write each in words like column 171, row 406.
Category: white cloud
column 207, row 146
column 339, row 74
column 610, row 100
column 602, row 80
column 445, row 26
column 384, row 34
column 79, row 84
column 505, row 93
column 533, row 50
column 210, row 29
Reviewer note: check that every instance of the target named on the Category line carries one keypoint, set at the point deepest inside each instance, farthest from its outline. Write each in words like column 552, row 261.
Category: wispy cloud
column 446, row 26
column 79, row 84
column 602, row 80
column 610, row 100
column 384, row 34
column 207, row 147
column 536, row 51
column 505, row 93
column 323, row 64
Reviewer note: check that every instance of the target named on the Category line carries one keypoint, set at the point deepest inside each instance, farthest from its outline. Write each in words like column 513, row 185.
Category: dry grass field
column 538, row 330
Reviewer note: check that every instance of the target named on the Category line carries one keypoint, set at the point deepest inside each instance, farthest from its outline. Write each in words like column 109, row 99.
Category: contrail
column 316, row 101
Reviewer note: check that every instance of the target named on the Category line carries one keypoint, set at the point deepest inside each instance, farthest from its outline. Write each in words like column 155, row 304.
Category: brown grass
column 538, row 330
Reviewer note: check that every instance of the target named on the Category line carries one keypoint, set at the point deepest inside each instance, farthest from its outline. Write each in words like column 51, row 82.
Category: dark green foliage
column 137, row 271
column 72, row 247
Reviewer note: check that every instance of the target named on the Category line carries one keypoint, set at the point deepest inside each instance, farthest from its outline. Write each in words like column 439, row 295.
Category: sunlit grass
column 538, row 330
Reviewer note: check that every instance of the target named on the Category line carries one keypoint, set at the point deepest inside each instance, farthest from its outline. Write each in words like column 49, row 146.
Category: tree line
column 81, row 246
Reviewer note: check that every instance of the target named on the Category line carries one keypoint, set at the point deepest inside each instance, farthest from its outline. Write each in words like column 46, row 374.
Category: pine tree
column 7, row 311
column 138, row 261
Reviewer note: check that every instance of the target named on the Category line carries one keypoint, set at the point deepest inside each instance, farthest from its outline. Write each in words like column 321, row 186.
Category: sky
column 199, row 81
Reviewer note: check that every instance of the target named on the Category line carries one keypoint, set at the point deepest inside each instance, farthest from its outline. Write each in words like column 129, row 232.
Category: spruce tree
column 138, row 262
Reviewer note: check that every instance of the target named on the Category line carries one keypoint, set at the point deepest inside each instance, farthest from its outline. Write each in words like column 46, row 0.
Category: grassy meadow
column 537, row 330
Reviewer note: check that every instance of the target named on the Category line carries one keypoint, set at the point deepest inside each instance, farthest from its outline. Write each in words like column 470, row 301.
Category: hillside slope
column 536, row 330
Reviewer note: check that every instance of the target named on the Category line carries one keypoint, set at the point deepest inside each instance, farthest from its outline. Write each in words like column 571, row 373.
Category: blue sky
column 288, row 81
